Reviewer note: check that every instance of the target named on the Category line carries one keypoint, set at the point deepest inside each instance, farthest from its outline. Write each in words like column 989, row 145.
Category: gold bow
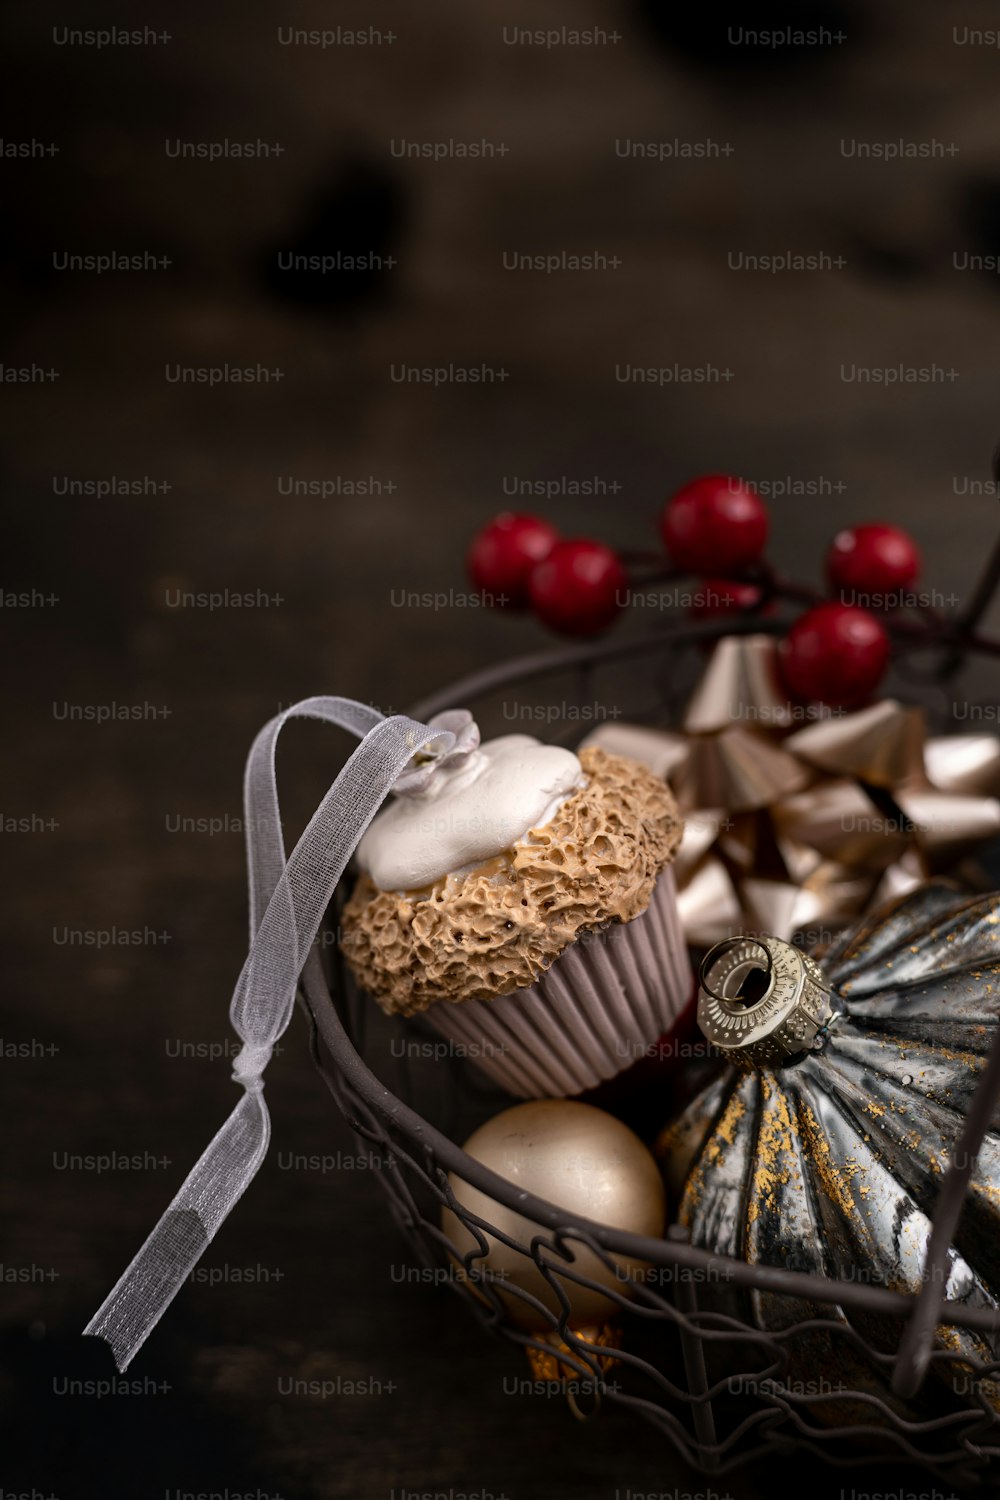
column 797, row 819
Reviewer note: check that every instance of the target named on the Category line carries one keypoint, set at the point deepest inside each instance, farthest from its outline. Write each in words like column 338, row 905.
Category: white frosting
column 468, row 813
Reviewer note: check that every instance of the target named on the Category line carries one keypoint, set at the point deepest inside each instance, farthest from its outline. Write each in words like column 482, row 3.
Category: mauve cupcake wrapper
column 605, row 1000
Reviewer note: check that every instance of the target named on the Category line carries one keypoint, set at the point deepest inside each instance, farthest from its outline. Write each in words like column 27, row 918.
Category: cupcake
column 521, row 899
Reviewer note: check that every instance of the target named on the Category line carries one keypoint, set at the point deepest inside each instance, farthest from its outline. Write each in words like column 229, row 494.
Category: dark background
column 101, row 1023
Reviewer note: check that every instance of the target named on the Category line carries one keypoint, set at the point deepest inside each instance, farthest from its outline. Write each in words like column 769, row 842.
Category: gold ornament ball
column 580, row 1159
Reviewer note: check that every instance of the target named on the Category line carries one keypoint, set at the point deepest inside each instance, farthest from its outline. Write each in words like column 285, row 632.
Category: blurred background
column 672, row 145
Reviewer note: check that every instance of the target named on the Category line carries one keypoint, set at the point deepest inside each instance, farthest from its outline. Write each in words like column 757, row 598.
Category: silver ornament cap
column 763, row 1001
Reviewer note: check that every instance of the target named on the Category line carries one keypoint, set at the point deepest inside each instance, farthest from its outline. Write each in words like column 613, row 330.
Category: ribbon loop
column 287, row 900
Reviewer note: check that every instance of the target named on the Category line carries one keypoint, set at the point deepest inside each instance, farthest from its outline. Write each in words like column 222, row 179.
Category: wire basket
column 692, row 1361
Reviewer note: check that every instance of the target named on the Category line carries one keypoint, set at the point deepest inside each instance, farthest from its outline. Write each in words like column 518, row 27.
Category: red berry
column 501, row 556
column 834, row 654
column 715, row 524
column 723, row 596
column 579, row 588
column 872, row 560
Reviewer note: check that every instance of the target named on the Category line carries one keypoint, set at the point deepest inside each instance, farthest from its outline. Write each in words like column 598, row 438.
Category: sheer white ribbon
column 287, row 902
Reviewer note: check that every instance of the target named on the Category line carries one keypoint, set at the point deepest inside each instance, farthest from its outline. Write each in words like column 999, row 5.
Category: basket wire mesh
column 692, row 1362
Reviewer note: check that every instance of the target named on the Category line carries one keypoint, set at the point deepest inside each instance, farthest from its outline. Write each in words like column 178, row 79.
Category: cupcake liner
column 595, row 1011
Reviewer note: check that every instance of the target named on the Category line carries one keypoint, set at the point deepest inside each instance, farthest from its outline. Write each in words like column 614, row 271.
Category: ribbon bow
column 797, row 820
column 287, row 902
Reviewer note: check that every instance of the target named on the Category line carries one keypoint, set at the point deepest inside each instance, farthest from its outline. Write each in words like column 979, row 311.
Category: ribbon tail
column 296, row 894
column 219, row 1178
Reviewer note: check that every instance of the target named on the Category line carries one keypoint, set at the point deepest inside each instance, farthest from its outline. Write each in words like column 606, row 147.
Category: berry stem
column 968, row 618
column 930, row 629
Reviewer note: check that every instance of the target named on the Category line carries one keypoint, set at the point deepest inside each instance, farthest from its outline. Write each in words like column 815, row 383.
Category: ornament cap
column 763, row 1021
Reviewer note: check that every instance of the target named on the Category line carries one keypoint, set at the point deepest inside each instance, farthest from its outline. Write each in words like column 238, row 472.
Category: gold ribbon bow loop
column 798, row 819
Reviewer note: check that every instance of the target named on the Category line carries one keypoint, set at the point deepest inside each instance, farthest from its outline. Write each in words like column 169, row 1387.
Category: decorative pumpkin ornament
column 822, row 1147
column 581, row 1159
